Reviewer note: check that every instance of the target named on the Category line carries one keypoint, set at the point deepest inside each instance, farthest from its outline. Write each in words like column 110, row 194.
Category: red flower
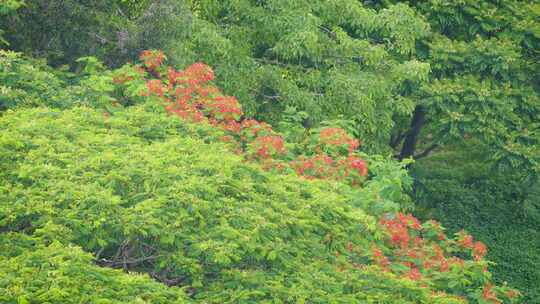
column 338, row 137
column 511, row 294
column 267, row 146
column 414, row 274
column 232, row 126
column 155, row 87
column 152, row 59
column 379, row 258
column 444, row 265
column 359, row 165
column 479, row 250
column 465, row 240
column 319, row 166
column 409, row 221
column 225, row 108
column 489, row 295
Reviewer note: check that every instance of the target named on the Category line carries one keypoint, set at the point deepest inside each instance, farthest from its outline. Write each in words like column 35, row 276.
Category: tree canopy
column 175, row 197
column 263, row 151
column 409, row 76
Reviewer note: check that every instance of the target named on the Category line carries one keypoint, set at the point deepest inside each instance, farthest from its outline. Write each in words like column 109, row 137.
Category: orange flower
column 379, row 258
column 154, row 86
column 338, row 137
column 268, row 146
column 465, row 240
column 511, row 294
column 489, row 295
column 152, row 59
column 414, row 274
column 479, row 250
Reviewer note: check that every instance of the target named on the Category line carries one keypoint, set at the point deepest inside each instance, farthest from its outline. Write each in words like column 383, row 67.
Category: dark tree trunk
column 409, row 146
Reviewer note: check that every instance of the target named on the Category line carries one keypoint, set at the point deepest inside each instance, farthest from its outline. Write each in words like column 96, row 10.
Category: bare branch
column 124, row 261
column 271, row 97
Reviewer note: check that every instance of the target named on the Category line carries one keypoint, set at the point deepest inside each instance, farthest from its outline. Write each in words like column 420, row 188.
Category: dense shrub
column 411, row 77
column 459, row 188
column 139, row 179
column 61, row 31
column 151, row 193
column 32, row 272
column 27, row 82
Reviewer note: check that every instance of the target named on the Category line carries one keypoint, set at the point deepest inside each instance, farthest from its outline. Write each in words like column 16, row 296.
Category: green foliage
column 372, row 63
column 149, row 193
column 504, row 117
column 7, row 7
column 168, row 198
column 484, row 79
column 64, row 30
column 324, row 58
column 33, row 272
column 27, row 82
column 134, row 8
column 321, row 57
column 459, row 188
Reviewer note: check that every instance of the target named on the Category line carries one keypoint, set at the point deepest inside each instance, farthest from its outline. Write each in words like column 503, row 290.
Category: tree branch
column 271, row 97
column 328, row 31
column 417, row 122
column 426, row 152
column 124, row 261
column 396, row 140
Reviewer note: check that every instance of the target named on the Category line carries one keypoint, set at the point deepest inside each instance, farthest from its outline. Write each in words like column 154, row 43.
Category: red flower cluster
column 489, row 295
column 399, row 229
column 379, row 258
column 479, row 250
column 466, row 241
column 338, row 137
column 266, row 147
column 189, row 95
column 196, row 74
column 224, row 108
column 421, row 249
column 155, row 87
column 152, row 59
column 353, row 165
column 334, row 157
column 318, row 166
